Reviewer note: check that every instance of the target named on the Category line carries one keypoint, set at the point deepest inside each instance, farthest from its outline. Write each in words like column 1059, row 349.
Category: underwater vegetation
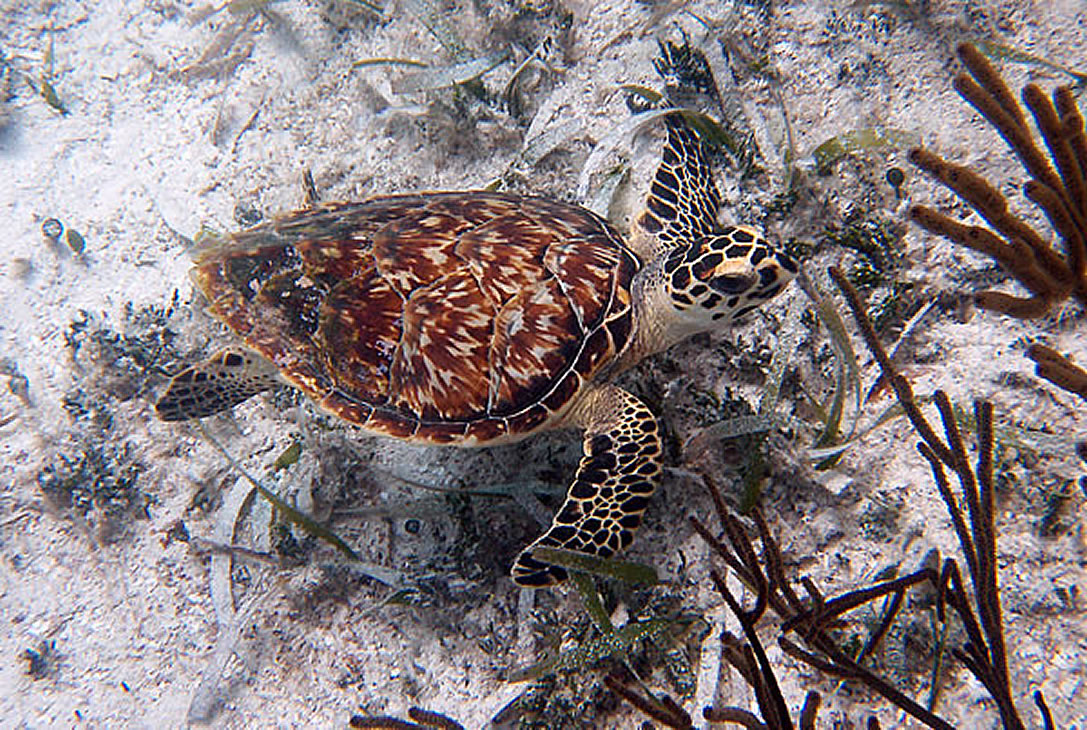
column 596, row 662
column 1058, row 186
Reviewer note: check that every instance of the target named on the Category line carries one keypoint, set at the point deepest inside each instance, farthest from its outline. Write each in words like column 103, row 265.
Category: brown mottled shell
column 443, row 317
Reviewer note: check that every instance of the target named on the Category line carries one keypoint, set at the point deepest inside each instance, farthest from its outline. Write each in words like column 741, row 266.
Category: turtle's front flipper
column 614, row 482
column 683, row 201
column 225, row 379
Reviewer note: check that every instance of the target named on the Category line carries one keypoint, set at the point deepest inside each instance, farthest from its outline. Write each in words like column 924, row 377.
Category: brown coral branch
column 424, row 720
column 1066, row 223
column 1047, row 718
column 664, row 710
column 1028, row 254
column 768, row 693
column 987, row 76
column 739, row 655
column 977, row 653
column 1014, row 255
column 837, row 662
column 834, row 608
column 750, row 658
column 988, row 93
column 967, row 184
column 775, row 567
column 902, row 388
column 431, row 719
column 980, row 239
column 1072, row 122
column 966, row 540
column 1058, row 188
column 380, row 723
column 1059, row 144
column 1018, row 307
column 810, row 710
column 1058, row 369
column 734, row 715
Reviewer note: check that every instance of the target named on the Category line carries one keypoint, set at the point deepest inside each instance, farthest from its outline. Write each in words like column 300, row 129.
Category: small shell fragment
column 75, row 241
column 52, row 229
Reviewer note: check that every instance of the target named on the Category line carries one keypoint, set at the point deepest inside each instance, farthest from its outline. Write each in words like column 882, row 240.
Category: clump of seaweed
column 93, row 474
column 42, row 661
column 125, row 362
column 1058, row 186
column 877, row 241
column 687, row 74
column 684, row 68
column 571, row 687
column 100, row 484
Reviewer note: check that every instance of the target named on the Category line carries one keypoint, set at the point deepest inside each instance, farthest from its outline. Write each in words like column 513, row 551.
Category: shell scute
column 485, row 430
column 529, row 420
column 441, row 364
column 563, row 392
column 447, row 432
column 620, row 326
column 478, row 210
column 359, row 335
column 501, row 269
column 584, row 270
column 596, row 350
column 390, row 423
column 330, row 262
column 347, row 408
column 417, row 250
column 532, row 341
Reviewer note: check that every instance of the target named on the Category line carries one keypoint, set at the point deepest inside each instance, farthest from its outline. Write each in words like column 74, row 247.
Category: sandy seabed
column 174, row 123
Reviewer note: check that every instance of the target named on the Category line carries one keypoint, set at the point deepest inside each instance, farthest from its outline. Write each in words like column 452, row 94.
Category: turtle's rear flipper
column 226, row 379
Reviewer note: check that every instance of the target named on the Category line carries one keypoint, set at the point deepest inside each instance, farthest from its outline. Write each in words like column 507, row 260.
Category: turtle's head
column 722, row 277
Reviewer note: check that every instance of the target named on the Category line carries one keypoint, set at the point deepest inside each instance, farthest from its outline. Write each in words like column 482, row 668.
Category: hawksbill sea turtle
column 479, row 318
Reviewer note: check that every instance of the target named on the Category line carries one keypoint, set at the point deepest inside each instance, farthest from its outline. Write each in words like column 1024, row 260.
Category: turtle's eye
column 733, row 283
